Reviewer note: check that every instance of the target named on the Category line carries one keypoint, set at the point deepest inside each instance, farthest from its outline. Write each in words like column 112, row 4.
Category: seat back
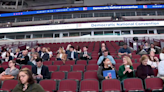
column 58, row 75
column 58, row 63
column 47, row 63
column 79, row 68
column 75, row 75
column 53, row 68
column 90, row 75
column 132, row 84
column 111, row 85
column 92, row 67
column 66, row 68
column 82, row 62
column 27, row 66
column 154, row 83
column 69, row 62
column 48, row 85
column 9, row 84
column 89, row 85
column 68, row 85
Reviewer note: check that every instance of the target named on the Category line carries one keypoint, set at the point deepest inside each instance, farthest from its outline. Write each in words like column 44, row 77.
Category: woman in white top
column 48, row 50
column 153, row 61
column 161, row 55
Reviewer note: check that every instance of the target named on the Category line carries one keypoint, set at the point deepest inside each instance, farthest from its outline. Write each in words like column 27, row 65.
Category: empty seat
column 69, row 62
column 27, row 66
column 58, row 63
column 5, row 63
column 9, row 85
column 48, row 85
column 117, row 66
column 47, row 63
column 92, row 67
column 119, row 60
column 65, row 68
column 75, row 75
column 58, row 75
column 78, row 68
column 111, row 85
column 53, row 68
column 5, row 67
column 133, row 84
column 155, row 72
column 135, row 65
column 90, row 75
column 92, row 62
column 89, row 85
column 82, row 62
column 67, row 85
column 154, row 84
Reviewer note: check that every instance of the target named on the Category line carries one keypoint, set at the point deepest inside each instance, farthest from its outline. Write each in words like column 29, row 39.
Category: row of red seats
column 112, row 85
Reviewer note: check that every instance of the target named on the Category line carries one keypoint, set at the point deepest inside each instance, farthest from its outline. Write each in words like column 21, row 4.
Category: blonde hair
column 17, row 50
column 143, row 58
column 62, row 50
column 129, row 62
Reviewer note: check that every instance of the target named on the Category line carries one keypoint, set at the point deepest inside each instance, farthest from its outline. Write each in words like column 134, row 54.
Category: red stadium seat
column 53, row 58
column 75, row 75
column 135, row 65
column 90, row 75
column 92, row 67
column 154, row 84
column 79, row 68
column 48, row 85
column 92, row 62
column 5, row 66
column 133, row 84
column 58, row 63
column 6, row 87
column 89, row 85
column 69, row 62
column 47, row 63
column 53, row 68
column 117, row 66
column 27, row 66
column 111, row 85
column 119, row 60
column 5, row 63
column 155, row 72
column 65, row 68
column 67, row 85
column 82, row 62
column 58, row 75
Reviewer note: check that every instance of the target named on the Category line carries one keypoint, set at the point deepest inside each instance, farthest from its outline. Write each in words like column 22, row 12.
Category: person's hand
column 148, row 76
column 40, row 76
column 152, row 66
column 125, row 53
column 156, row 58
column 130, row 70
column 107, row 77
column 22, row 59
column 124, row 72
column 3, row 73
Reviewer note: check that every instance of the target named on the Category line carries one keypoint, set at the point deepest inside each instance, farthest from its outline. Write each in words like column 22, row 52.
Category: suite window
column 57, row 35
column 125, row 32
column 1, row 36
column 106, row 14
column 50, row 35
column 160, row 31
column 20, row 37
column 98, row 33
column 139, row 31
column 37, row 35
column 10, row 36
column 85, row 33
column 74, row 34
column 108, row 32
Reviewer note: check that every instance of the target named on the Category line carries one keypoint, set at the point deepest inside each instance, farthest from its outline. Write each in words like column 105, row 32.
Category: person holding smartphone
column 105, row 65
column 126, row 70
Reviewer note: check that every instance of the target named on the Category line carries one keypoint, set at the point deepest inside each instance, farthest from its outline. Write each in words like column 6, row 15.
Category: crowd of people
column 36, row 56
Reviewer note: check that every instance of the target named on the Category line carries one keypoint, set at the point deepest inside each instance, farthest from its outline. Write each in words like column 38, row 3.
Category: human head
column 103, row 45
column 7, row 54
column 85, row 48
column 25, row 76
column 125, row 46
column 35, row 55
column 44, row 49
column 71, row 48
column 105, row 53
column 32, row 50
column 103, row 48
column 61, row 51
column 151, row 54
column 12, row 63
column 17, row 50
column 152, row 45
column 106, row 62
column 38, row 49
column 25, row 52
column 146, row 44
column 10, row 50
column 162, row 51
column 127, row 61
column 39, row 62
column 48, row 49
column 144, row 60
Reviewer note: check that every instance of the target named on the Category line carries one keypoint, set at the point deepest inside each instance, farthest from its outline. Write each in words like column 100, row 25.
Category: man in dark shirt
column 124, row 51
column 24, row 58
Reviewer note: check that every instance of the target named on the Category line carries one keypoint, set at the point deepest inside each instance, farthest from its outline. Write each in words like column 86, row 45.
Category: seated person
column 144, row 70
column 24, row 58
column 161, row 70
column 61, row 56
column 17, row 53
column 153, row 61
column 8, row 57
column 68, row 48
column 126, row 70
column 141, row 50
column 72, row 55
column 32, row 52
column 78, row 50
column 153, row 48
column 105, row 65
column 102, row 51
column 124, row 51
column 161, row 55
column 44, row 54
column 12, row 70
column 39, row 51
column 40, row 71
column 105, row 55
column 85, row 55
column 146, row 47
column 34, row 57
column 48, row 50
column 11, row 53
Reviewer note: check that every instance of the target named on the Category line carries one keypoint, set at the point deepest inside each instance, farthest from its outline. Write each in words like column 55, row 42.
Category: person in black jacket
column 40, row 71
column 72, row 55
column 153, row 48
column 85, row 55
column 144, row 70
column 44, row 55
column 24, row 58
